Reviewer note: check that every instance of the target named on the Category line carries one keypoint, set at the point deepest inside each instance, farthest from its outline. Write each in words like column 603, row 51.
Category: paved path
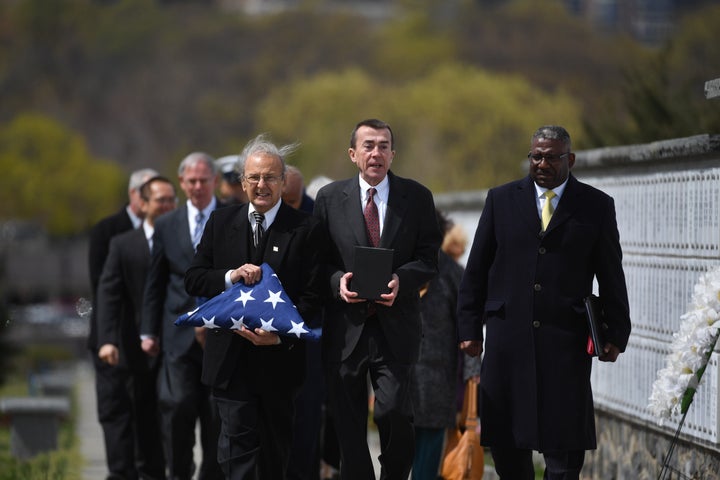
column 92, row 445
column 87, row 427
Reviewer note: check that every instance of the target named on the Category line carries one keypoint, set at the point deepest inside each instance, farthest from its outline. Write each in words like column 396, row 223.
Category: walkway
column 92, row 445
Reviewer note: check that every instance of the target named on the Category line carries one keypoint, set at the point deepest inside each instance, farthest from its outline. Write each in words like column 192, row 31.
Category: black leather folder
column 372, row 271
column 596, row 325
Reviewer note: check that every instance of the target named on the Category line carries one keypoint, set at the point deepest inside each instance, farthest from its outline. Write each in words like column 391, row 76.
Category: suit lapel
column 238, row 234
column 278, row 238
column 182, row 227
column 140, row 245
column 398, row 203
column 353, row 211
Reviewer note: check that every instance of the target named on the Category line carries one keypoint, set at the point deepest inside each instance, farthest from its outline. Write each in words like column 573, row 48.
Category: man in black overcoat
column 524, row 283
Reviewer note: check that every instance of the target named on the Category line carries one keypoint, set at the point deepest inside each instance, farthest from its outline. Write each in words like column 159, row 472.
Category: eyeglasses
column 268, row 179
column 538, row 157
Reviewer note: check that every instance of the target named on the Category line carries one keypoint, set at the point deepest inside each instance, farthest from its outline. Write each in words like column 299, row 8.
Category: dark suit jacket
column 293, row 247
column 100, row 236
column 411, row 230
column 165, row 295
column 120, row 295
column 527, row 289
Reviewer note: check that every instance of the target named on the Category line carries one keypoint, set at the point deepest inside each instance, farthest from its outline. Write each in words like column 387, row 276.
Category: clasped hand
column 388, row 299
column 250, row 274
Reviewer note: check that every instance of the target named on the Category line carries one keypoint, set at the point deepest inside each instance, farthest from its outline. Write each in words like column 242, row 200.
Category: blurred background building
column 649, row 21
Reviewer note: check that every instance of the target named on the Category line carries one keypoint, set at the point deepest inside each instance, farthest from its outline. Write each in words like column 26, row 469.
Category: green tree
column 50, row 177
column 469, row 128
column 664, row 95
column 457, row 128
column 553, row 50
column 410, row 47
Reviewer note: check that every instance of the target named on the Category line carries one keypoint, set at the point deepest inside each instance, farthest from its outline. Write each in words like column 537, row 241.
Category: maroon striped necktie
column 372, row 219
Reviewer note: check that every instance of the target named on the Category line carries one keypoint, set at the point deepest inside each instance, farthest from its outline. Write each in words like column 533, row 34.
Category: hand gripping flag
column 264, row 305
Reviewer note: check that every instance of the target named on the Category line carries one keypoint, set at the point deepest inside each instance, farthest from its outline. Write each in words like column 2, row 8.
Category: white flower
column 690, row 350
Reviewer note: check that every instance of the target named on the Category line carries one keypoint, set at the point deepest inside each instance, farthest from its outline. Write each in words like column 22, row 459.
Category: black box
column 372, row 271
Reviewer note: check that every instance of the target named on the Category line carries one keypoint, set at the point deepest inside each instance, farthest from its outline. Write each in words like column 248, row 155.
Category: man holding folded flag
column 254, row 372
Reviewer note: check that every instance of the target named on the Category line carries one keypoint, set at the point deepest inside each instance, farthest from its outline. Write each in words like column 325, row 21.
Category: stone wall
column 631, row 450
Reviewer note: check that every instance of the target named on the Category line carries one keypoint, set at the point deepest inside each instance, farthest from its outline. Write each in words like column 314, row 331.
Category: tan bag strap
column 470, row 404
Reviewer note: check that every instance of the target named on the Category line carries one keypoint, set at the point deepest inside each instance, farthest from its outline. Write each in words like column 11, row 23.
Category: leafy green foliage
column 664, row 94
column 463, row 84
column 456, row 127
column 50, row 177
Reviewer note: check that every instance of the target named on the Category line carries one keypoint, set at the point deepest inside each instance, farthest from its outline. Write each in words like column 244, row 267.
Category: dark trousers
column 128, row 414
column 348, row 395
column 256, row 431
column 183, row 400
column 517, row 464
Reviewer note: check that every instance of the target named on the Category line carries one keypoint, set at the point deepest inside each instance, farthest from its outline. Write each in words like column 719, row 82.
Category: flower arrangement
column 690, row 351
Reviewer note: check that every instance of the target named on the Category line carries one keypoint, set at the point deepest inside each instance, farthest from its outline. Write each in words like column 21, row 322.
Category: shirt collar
column 149, row 231
column 136, row 221
column 540, row 191
column 382, row 189
column 269, row 215
column 193, row 210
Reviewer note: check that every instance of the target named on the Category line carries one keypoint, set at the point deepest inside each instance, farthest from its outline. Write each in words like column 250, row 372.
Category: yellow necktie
column 548, row 209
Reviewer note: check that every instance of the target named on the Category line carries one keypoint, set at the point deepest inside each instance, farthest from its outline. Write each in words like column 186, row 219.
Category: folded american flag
column 264, row 305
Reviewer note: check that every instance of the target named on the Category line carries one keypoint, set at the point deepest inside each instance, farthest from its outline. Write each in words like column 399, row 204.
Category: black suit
column 120, row 294
column 387, row 343
column 109, row 385
column 183, row 399
column 527, row 290
column 99, row 246
column 262, row 379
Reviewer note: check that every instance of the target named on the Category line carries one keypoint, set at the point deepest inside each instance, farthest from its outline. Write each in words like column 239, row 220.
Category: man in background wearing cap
column 230, row 190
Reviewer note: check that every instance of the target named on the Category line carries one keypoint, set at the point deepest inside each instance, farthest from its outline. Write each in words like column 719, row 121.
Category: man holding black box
column 379, row 336
column 539, row 243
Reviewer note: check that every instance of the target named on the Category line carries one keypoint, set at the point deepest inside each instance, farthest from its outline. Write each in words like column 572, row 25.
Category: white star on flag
column 210, row 323
column 244, row 297
column 237, row 324
column 297, row 328
column 268, row 326
column 274, row 298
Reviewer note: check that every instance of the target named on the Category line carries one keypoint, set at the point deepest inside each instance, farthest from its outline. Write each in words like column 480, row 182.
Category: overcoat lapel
column 527, row 205
column 569, row 202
